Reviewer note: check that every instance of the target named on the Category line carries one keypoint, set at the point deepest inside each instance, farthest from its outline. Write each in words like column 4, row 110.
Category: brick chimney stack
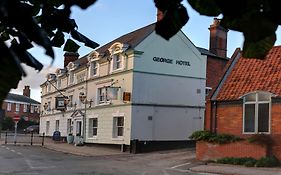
column 218, row 39
column 26, row 91
column 70, row 57
column 160, row 15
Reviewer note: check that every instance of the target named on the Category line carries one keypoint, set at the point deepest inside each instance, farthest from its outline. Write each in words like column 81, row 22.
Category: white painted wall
column 167, row 124
column 178, row 47
column 168, row 90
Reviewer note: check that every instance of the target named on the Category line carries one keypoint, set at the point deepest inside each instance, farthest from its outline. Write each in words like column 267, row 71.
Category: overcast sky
column 109, row 19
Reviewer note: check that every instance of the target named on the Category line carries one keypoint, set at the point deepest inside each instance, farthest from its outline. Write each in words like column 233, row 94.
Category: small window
column 71, row 78
column 47, row 127
column 49, row 106
column 57, row 125
column 118, row 127
column 117, row 62
column 59, row 83
column 25, row 108
column 94, row 69
column 69, row 126
column 257, row 113
column 93, row 127
column 17, row 107
column 31, row 109
column 9, row 106
column 102, row 95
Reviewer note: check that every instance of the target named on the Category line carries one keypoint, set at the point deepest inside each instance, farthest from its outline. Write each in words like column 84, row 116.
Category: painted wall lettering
column 171, row 61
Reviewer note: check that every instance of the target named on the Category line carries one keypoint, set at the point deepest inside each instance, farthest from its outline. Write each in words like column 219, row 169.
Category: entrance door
column 79, row 128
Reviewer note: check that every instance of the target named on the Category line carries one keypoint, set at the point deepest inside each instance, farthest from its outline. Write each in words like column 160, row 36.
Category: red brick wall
column 31, row 116
column 215, row 70
column 230, row 120
column 207, row 151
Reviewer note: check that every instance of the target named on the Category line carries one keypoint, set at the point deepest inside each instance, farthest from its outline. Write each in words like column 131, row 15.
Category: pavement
column 201, row 167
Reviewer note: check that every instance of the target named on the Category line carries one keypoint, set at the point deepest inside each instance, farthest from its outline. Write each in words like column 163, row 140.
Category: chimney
column 70, row 57
column 160, row 15
column 26, row 91
column 218, row 39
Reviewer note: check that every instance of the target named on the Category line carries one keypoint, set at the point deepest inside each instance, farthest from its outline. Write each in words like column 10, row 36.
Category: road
column 36, row 160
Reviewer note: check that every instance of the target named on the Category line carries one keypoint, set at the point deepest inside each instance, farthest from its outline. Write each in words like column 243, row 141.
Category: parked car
column 32, row 129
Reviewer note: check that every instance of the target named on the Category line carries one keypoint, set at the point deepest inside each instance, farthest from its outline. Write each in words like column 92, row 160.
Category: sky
column 107, row 20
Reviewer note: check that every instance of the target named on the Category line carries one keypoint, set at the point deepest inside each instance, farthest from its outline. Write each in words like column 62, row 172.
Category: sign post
column 16, row 119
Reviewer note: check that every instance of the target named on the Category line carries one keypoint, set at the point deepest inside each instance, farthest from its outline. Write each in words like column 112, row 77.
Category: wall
column 165, row 123
column 207, row 151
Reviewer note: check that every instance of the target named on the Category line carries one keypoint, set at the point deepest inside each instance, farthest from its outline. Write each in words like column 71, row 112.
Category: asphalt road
column 36, row 160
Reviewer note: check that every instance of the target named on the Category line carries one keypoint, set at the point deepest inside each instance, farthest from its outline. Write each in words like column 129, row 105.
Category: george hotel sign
column 171, row 61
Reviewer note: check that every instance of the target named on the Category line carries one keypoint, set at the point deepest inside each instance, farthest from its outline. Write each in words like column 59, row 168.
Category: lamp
column 45, row 106
column 82, row 98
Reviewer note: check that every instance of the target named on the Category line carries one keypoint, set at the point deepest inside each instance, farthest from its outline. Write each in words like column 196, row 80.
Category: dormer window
column 117, row 62
column 117, row 56
column 256, row 112
column 94, row 68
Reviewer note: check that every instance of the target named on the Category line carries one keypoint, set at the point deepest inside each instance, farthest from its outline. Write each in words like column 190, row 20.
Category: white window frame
column 114, row 62
column 49, row 106
column 9, row 106
column 71, row 78
column 92, row 127
column 256, row 102
column 59, row 83
column 31, row 109
column 102, row 94
column 69, row 126
column 57, row 126
column 17, row 107
column 47, row 127
column 24, row 107
column 116, row 127
column 94, row 71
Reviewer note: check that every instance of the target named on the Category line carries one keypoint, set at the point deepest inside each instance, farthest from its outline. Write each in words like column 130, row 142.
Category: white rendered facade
column 164, row 79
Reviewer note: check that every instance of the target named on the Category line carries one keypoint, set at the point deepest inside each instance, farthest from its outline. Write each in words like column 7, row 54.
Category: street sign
column 16, row 118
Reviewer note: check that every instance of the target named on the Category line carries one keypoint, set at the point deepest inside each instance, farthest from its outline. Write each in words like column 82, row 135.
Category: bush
column 250, row 162
column 271, row 161
column 214, row 138
column 8, row 123
column 237, row 161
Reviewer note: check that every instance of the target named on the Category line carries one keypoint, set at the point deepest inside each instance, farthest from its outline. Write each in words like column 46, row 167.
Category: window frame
column 24, row 107
column 114, row 62
column 116, row 127
column 92, row 127
column 94, row 70
column 9, row 106
column 256, row 103
column 99, row 92
column 17, row 109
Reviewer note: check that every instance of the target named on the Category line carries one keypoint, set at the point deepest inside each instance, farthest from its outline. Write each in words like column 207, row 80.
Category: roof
column 132, row 39
column 249, row 75
column 208, row 53
column 20, row 98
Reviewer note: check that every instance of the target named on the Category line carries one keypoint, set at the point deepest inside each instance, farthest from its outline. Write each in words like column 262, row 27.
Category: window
column 25, row 108
column 118, row 127
column 117, row 62
column 93, row 132
column 49, row 87
column 31, row 109
column 70, row 97
column 9, row 106
column 47, row 127
column 94, row 69
column 57, row 125
column 71, row 78
column 102, row 95
column 257, row 107
column 17, row 107
column 49, row 106
column 59, row 83
column 69, row 126
column 80, row 77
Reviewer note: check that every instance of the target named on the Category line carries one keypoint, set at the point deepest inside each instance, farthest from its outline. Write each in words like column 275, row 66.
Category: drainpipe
column 214, row 117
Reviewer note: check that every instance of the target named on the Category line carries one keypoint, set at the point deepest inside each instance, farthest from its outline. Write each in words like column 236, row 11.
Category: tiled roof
column 20, row 98
column 132, row 39
column 250, row 75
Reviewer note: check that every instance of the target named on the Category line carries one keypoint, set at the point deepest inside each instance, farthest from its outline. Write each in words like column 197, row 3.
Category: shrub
column 8, row 123
column 214, row 138
column 237, row 161
column 271, row 161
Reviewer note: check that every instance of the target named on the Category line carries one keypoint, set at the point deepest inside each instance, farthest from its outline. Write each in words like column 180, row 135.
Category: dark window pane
column 95, row 131
column 249, row 120
column 263, row 118
column 120, row 131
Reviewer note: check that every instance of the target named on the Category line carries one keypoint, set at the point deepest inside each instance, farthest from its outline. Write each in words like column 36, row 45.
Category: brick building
column 247, row 101
column 21, row 105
